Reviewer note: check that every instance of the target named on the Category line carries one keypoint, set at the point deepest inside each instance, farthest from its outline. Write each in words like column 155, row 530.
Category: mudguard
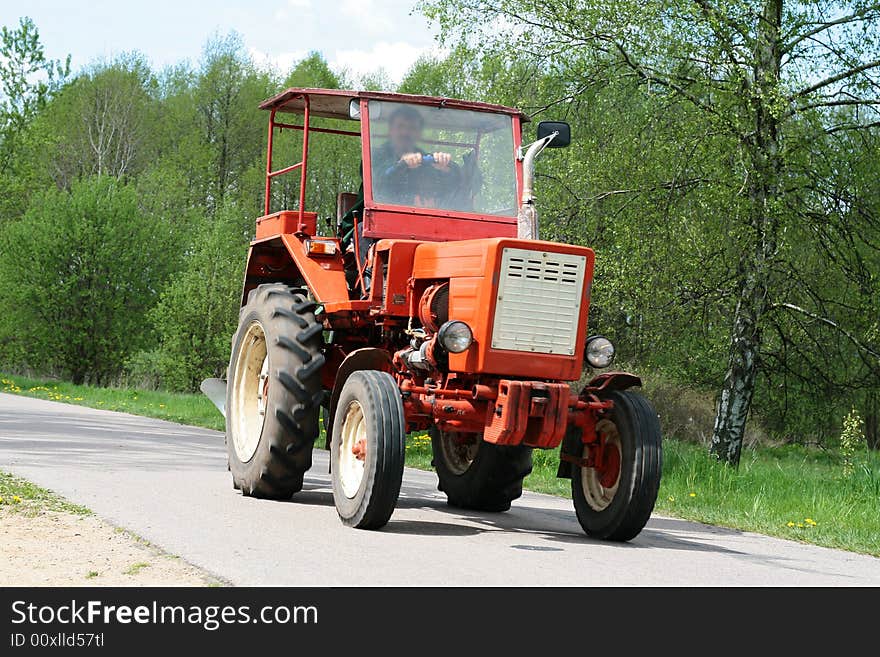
column 368, row 358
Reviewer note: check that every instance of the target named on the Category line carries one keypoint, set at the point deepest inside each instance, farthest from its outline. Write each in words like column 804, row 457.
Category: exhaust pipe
column 527, row 217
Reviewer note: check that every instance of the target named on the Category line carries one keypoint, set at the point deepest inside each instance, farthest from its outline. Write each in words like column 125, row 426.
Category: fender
column 611, row 381
column 368, row 358
column 283, row 258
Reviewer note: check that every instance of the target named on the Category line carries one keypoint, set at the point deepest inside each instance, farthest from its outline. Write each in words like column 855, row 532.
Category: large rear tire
column 614, row 501
column 273, row 392
column 367, row 449
column 479, row 475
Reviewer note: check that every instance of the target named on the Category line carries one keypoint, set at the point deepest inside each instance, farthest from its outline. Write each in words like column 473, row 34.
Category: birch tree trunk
column 754, row 266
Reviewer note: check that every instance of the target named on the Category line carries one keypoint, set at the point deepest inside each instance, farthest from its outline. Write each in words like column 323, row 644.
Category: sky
column 357, row 35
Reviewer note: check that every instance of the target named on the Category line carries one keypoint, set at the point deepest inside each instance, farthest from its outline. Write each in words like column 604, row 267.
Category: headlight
column 600, row 352
column 455, row 336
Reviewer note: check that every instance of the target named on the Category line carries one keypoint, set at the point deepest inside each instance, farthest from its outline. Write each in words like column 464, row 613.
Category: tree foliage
column 80, row 270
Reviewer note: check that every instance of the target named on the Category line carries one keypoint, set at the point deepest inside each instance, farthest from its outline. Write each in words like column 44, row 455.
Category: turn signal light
column 322, row 247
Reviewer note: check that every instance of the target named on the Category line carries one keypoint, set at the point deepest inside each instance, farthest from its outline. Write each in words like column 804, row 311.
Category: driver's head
column 404, row 129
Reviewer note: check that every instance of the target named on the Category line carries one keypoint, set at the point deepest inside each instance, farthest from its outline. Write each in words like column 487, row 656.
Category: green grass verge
column 21, row 496
column 194, row 409
column 791, row 491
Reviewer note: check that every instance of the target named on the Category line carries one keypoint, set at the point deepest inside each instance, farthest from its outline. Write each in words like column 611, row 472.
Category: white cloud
column 395, row 58
column 293, row 9
column 370, row 19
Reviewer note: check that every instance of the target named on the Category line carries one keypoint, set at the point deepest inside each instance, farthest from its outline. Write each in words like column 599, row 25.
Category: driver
column 403, row 174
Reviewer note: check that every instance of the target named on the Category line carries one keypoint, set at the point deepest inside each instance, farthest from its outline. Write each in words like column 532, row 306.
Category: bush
column 852, row 441
column 80, row 270
column 198, row 310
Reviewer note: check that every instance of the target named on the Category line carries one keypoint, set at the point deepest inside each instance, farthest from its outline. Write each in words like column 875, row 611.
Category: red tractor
column 434, row 307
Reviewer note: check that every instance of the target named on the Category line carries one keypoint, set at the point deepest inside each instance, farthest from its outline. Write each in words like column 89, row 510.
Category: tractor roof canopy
column 334, row 103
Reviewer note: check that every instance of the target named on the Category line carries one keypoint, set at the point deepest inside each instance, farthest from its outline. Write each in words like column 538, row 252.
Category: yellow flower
column 16, row 499
column 789, row 524
column 1, row 500
column 693, row 494
column 671, row 498
column 800, row 525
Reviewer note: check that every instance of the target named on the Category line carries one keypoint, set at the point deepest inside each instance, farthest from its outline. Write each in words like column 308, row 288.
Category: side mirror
column 547, row 128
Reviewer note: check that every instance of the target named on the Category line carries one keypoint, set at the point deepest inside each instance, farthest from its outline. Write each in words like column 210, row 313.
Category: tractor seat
column 345, row 201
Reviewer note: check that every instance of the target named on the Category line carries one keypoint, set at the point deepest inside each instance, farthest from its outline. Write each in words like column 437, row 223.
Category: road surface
column 169, row 484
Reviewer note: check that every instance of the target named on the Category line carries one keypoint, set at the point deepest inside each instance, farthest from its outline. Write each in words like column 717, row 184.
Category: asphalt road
column 168, row 483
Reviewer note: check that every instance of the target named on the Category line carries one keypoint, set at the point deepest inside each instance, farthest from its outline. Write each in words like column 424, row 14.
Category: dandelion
column 693, row 495
column 16, row 499
column 161, row 405
column 810, row 522
column 789, row 524
column 671, row 498
column 800, row 525
column 1, row 501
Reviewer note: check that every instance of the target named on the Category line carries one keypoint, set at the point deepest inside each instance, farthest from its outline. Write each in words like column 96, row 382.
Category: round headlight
column 600, row 352
column 455, row 336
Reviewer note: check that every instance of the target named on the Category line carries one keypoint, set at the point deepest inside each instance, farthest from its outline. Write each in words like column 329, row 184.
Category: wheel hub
column 250, row 389
column 600, row 483
column 352, row 450
column 263, row 388
column 458, row 451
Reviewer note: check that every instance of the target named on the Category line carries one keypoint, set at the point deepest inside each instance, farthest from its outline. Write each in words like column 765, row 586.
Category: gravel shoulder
column 56, row 548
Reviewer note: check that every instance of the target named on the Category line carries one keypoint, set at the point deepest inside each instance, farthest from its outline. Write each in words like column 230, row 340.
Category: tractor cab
column 430, row 168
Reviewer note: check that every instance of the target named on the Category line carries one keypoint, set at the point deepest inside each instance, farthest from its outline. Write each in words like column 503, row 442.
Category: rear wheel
column 273, row 392
column 614, row 499
column 367, row 449
column 478, row 475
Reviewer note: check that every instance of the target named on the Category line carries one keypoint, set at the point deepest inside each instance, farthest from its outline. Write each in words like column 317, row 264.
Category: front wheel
column 367, row 449
column 614, row 499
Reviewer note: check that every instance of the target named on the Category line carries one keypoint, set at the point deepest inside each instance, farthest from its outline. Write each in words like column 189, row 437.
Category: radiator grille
column 539, row 297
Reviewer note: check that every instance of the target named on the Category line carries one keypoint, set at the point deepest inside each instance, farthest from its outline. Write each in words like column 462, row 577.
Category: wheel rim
column 600, row 484
column 352, row 450
column 458, row 455
column 250, row 392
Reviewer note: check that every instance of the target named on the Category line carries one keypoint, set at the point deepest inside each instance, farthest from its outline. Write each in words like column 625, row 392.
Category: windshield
column 450, row 159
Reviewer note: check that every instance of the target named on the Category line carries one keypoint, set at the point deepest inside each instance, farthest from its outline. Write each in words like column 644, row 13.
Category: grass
column 21, row 496
column 135, row 568
column 790, row 491
column 194, row 409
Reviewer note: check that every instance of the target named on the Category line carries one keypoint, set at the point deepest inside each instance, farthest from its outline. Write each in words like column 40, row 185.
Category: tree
column 198, row 309
column 769, row 76
column 80, row 270
column 226, row 96
column 27, row 81
column 100, row 124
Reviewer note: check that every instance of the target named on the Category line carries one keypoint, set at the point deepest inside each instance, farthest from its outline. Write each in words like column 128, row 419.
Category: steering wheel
column 400, row 165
